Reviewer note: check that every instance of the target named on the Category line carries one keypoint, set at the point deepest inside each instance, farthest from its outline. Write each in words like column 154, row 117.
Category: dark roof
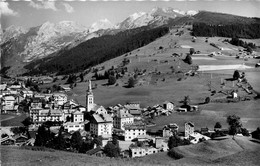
column 94, row 151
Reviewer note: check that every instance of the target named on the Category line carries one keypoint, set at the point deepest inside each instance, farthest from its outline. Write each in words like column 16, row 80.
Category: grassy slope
column 241, row 151
column 172, row 90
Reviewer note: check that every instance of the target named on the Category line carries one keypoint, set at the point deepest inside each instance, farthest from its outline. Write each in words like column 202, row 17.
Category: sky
column 34, row 13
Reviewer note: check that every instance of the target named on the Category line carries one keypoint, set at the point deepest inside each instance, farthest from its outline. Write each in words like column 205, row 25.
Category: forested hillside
column 95, row 51
column 248, row 31
column 211, row 24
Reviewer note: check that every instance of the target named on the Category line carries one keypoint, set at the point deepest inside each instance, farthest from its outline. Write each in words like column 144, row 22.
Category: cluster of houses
column 125, row 121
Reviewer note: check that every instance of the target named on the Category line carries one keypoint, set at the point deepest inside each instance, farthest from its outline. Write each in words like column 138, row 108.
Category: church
column 101, row 123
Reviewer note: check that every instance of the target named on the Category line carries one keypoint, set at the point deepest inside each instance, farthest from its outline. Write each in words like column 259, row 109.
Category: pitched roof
column 102, row 118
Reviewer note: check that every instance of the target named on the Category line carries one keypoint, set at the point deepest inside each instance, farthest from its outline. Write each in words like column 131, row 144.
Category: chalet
column 99, row 109
column 70, row 104
column 142, row 151
column 7, row 141
column 101, row 125
column 20, row 139
column 98, row 151
column 189, row 129
column 66, row 88
column 168, row 105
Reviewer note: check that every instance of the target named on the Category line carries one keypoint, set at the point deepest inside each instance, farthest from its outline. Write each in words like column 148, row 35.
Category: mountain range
column 21, row 46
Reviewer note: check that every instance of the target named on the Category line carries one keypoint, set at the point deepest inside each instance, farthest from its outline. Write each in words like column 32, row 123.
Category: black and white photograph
column 130, row 82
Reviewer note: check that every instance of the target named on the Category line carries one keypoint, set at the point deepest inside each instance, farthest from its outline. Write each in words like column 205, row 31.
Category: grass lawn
column 16, row 121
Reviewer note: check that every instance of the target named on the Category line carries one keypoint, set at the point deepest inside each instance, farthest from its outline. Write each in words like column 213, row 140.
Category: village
column 115, row 131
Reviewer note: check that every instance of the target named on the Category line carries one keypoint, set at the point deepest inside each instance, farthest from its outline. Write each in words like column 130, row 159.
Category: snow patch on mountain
column 101, row 24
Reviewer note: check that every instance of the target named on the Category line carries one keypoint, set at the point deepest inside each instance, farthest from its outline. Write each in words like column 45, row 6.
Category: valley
column 158, row 88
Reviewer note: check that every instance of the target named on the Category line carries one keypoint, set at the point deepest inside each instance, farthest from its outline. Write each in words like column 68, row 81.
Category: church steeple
column 89, row 87
column 89, row 97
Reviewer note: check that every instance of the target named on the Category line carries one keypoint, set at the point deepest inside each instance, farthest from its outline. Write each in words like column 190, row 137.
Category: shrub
column 172, row 153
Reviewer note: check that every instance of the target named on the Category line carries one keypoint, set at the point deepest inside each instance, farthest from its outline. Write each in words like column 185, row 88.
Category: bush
column 172, row 153
column 207, row 100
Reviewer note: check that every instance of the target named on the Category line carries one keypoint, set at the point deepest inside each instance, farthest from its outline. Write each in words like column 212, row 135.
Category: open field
column 241, row 151
column 157, row 88
column 15, row 121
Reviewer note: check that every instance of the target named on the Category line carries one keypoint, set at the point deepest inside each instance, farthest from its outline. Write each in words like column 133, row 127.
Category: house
column 67, row 114
column 142, row 151
column 98, row 151
column 60, row 98
column 7, row 141
column 77, row 116
column 101, row 125
column 9, row 103
column 20, row 139
column 134, row 109
column 197, row 137
column 70, row 104
column 122, row 117
column 66, row 88
column 99, row 109
column 168, row 105
column 26, row 93
column 43, row 115
column 204, row 130
column 134, row 130
column 168, row 130
column 161, row 144
column 189, row 129
column 36, row 103
column 74, row 126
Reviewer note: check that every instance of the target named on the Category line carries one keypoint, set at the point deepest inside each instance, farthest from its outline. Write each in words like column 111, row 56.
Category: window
column 140, row 152
column 134, row 152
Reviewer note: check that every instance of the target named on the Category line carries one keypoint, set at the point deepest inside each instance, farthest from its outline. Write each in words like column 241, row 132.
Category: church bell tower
column 89, row 98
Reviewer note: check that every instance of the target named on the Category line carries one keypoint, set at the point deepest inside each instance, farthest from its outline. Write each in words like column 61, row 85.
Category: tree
column 186, row 100
column 234, row 124
column 218, row 125
column 115, row 140
column 98, row 141
column 81, row 76
column 192, row 51
column 175, row 141
column 76, row 140
column 188, row 59
column 236, row 75
column 131, row 82
column 43, row 136
column 86, row 146
column 256, row 134
column 111, row 80
column 27, row 122
column 207, row 100
column 59, row 141
column 111, row 150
